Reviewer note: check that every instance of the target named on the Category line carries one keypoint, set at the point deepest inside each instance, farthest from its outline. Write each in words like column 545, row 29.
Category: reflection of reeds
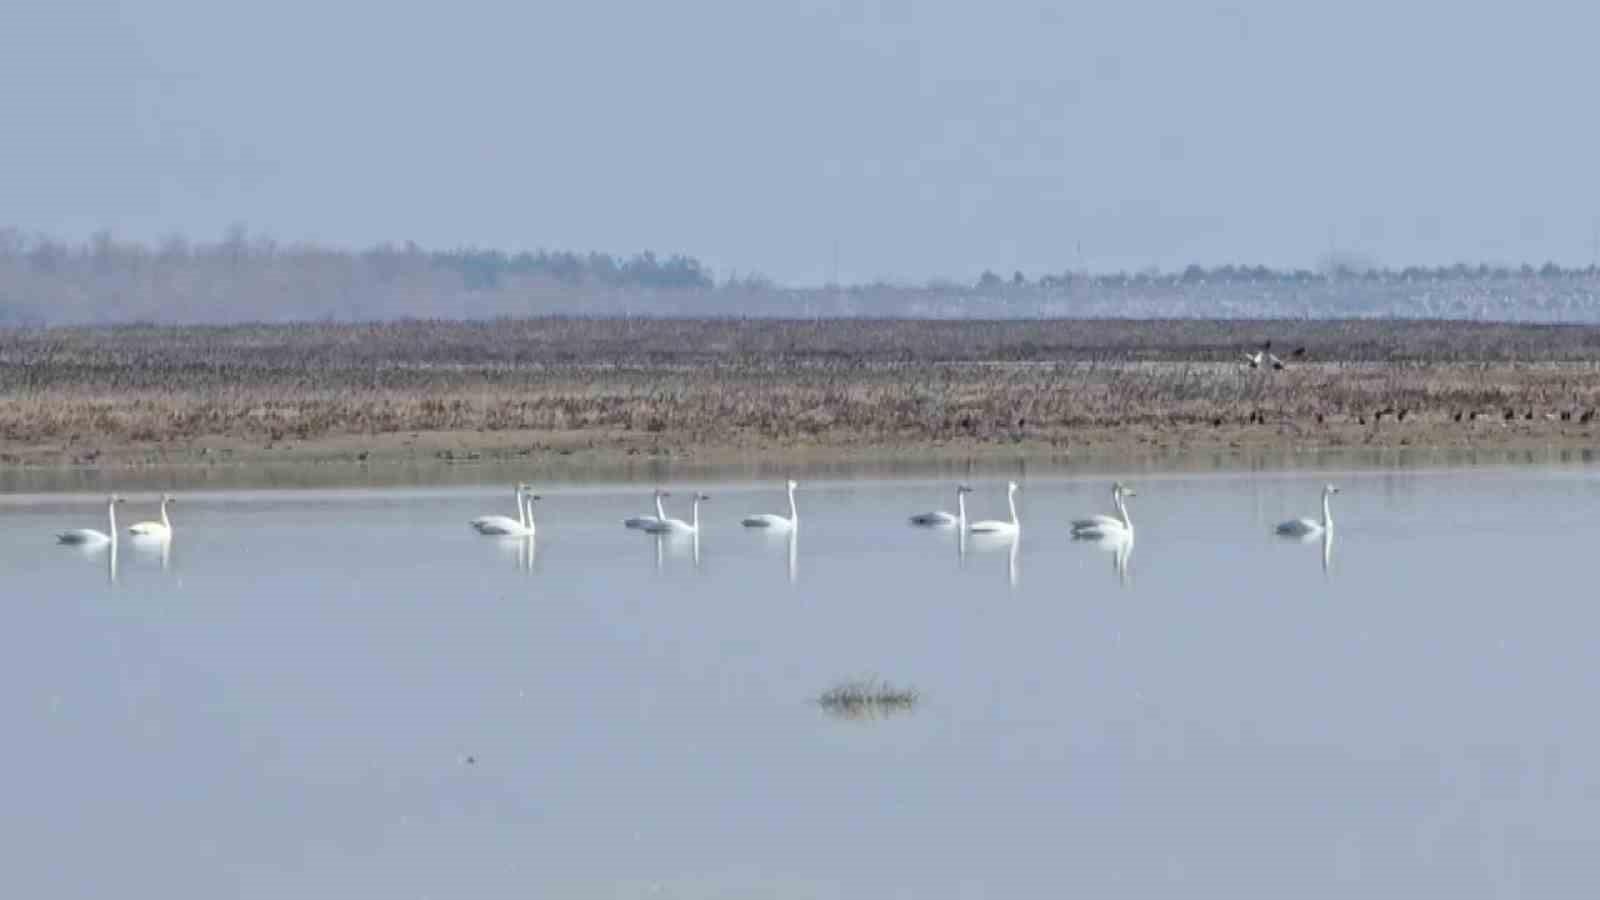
column 867, row 698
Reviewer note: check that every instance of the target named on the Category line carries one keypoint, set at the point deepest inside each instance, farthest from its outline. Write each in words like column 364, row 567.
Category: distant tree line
column 245, row 277
column 1239, row 274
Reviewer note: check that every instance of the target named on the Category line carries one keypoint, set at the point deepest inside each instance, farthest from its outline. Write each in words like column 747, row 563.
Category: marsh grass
column 740, row 382
column 867, row 698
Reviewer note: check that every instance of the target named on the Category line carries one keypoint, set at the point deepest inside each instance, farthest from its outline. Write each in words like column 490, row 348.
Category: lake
column 348, row 691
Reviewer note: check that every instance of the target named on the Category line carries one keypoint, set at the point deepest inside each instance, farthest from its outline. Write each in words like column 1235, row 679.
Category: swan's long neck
column 111, row 515
column 794, row 514
column 961, row 509
column 164, row 520
column 1327, row 515
column 1122, row 507
column 694, row 515
column 1011, row 499
column 527, row 506
column 522, row 508
column 661, row 511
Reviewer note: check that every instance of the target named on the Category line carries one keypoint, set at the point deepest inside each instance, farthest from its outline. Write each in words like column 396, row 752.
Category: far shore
column 1096, row 448
column 631, row 396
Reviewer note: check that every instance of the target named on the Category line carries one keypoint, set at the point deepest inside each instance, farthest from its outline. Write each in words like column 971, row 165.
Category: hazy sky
column 920, row 138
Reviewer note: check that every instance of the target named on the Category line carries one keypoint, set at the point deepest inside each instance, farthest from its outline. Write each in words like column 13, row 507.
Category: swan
column 505, row 525
column 679, row 526
column 944, row 519
column 1302, row 527
column 997, row 526
column 161, row 529
column 1108, row 526
column 646, row 521
column 769, row 520
column 90, row 537
column 1118, row 491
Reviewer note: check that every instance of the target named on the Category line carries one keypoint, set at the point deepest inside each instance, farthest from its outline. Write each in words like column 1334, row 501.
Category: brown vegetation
column 681, row 386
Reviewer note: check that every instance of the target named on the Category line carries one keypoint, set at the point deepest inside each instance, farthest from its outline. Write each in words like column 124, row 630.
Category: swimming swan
column 161, row 529
column 1108, row 526
column 1301, row 527
column 679, row 526
column 996, row 526
column 944, row 519
column 505, row 525
column 90, row 537
column 769, row 520
column 646, row 521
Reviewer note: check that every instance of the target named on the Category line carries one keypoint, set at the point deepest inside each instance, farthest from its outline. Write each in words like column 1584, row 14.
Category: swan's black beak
column 536, row 497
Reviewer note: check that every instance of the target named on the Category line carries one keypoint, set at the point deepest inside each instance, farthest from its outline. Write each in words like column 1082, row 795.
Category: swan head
column 1329, row 489
column 702, row 496
column 661, row 493
column 168, row 499
column 793, row 484
column 114, row 498
column 963, row 488
column 1011, row 487
column 533, row 497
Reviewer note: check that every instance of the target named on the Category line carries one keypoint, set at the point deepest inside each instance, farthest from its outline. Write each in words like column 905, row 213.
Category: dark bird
column 1278, row 364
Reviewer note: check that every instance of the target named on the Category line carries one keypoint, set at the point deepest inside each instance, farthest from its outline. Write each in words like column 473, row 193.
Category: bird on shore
column 1279, row 365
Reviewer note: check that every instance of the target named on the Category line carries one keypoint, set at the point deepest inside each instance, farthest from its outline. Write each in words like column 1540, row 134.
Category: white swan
column 997, row 526
column 1108, row 526
column 679, row 526
column 944, row 519
column 90, row 537
column 161, row 529
column 505, row 525
column 1118, row 490
column 769, row 520
column 646, row 521
column 1302, row 527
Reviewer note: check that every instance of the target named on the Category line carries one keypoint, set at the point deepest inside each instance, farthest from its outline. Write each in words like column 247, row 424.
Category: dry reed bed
column 735, row 382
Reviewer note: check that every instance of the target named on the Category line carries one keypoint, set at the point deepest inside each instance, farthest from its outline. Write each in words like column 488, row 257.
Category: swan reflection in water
column 523, row 551
column 676, row 543
column 1118, row 544
column 993, row 543
column 1324, row 537
column 158, row 545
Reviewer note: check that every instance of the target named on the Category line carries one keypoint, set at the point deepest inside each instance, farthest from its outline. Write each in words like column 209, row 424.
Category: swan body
column 152, row 529
column 1096, row 527
column 505, row 525
column 646, row 521
column 941, row 519
column 88, row 537
column 776, row 522
column 679, row 526
column 1117, row 491
column 1000, row 526
column 1304, row 527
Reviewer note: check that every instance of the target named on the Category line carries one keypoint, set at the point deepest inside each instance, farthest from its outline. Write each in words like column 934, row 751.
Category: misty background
column 909, row 145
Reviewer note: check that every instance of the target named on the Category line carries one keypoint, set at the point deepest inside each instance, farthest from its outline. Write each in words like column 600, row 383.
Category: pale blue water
column 287, row 705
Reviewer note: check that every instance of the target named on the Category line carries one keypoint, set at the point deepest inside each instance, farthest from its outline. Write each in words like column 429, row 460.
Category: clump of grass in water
column 867, row 698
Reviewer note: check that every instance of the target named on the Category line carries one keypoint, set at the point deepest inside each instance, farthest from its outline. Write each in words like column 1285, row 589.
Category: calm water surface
column 351, row 692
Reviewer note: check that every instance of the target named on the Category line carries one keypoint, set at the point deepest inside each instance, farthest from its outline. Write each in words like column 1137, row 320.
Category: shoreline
column 1097, row 448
